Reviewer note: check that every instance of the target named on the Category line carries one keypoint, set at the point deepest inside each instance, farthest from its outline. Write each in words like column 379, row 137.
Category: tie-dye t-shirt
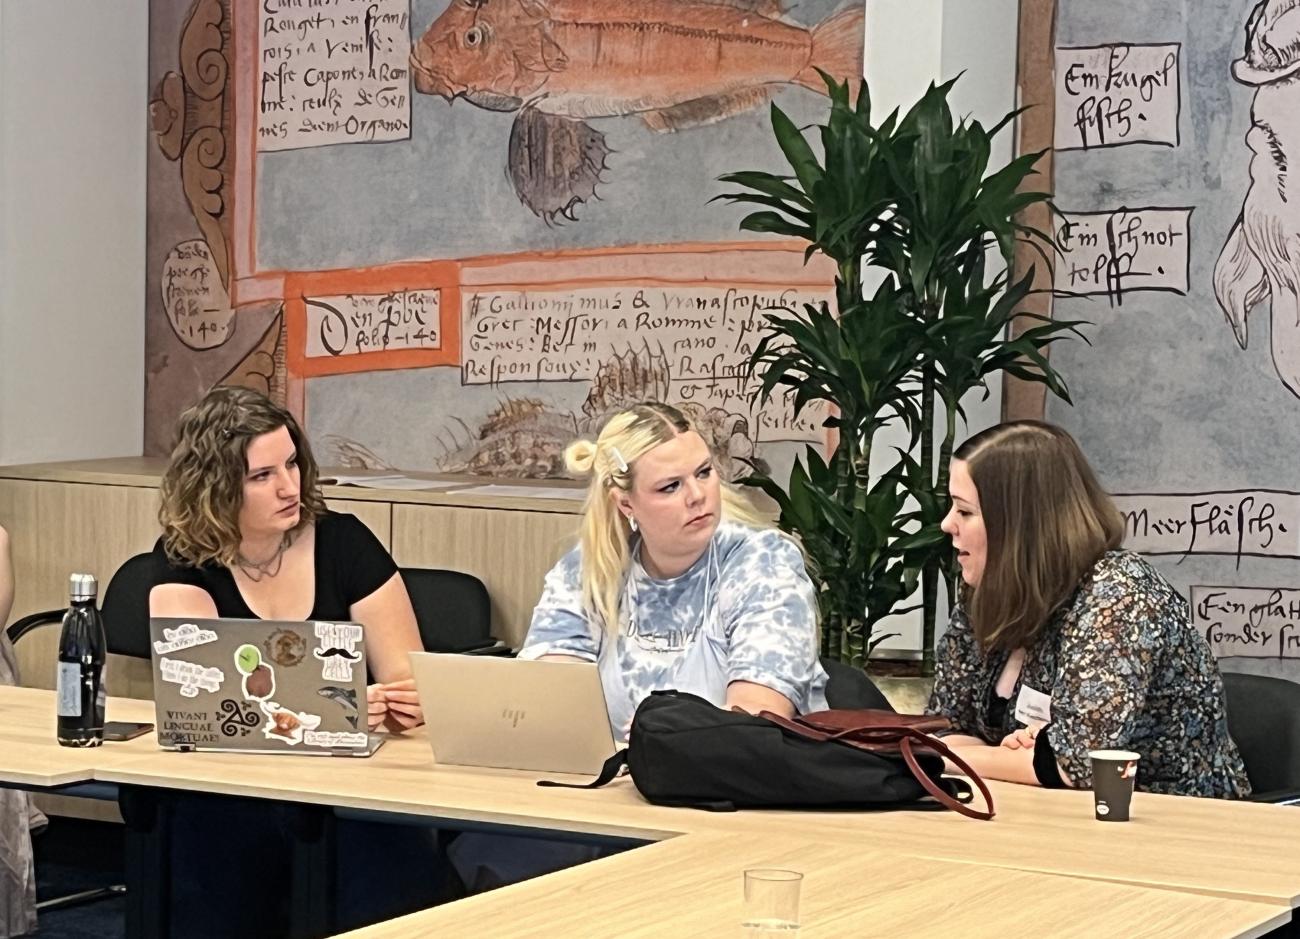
column 746, row 604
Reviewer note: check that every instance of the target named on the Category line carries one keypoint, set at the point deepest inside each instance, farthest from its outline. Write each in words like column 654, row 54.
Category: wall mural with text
column 455, row 234
column 1176, row 128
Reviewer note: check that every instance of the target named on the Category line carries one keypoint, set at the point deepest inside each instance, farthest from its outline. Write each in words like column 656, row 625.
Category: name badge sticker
column 1033, row 707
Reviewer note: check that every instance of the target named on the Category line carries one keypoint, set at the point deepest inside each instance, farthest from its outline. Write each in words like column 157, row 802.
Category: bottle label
column 69, row 692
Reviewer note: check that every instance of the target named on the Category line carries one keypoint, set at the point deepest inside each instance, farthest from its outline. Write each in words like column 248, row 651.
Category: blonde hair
column 611, row 463
column 1046, row 521
column 203, row 485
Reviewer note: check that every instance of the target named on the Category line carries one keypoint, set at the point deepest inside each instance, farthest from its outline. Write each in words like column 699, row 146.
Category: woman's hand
column 1022, row 739
column 377, row 705
column 403, row 705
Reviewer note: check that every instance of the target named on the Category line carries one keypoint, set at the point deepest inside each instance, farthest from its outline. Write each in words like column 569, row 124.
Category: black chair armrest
column 1288, row 796
column 22, row 627
column 495, row 647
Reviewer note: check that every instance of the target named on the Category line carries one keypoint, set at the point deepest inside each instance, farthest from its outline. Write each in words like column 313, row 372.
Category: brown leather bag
column 886, row 732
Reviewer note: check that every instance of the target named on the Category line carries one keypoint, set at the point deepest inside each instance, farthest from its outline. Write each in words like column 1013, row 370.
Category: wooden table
column 1227, row 869
column 692, row 887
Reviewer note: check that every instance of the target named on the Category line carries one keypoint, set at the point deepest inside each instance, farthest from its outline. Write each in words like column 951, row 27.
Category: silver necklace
column 257, row 570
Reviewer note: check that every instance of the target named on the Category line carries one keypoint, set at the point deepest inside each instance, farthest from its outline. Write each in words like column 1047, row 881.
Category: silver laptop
column 262, row 686
column 546, row 717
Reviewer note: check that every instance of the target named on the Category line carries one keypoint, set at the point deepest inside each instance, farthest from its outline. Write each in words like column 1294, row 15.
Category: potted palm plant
column 914, row 202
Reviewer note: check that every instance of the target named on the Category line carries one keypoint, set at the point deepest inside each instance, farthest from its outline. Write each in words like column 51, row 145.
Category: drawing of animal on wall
column 1260, row 261
column 525, row 436
column 674, row 64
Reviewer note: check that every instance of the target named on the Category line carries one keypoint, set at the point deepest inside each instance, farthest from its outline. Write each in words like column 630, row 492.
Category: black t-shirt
column 351, row 564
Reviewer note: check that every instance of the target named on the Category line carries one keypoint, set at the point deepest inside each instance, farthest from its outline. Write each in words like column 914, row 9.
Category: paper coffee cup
column 1113, row 775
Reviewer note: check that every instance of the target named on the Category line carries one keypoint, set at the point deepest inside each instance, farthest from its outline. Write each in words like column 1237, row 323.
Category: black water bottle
column 81, row 667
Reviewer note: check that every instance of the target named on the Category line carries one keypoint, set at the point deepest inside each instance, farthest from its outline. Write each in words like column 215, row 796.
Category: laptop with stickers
column 261, row 686
column 546, row 717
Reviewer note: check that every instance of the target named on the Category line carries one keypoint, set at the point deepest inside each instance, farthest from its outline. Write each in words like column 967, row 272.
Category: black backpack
column 684, row 751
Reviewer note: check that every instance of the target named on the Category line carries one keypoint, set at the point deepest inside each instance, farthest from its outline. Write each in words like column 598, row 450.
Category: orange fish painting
column 675, row 64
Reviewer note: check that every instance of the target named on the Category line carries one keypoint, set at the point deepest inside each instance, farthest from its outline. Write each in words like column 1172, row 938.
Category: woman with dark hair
column 1061, row 642
column 246, row 535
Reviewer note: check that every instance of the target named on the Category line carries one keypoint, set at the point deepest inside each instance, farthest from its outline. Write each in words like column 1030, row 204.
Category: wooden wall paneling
column 377, row 516
column 509, row 551
column 59, row 528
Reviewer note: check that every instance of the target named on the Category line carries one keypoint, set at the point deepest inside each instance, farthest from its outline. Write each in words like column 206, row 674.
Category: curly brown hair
column 203, row 485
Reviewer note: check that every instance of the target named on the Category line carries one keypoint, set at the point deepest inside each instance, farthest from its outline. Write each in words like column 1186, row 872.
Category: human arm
column 1107, row 653
column 769, row 615
column 392, row 634
column 960, row 678
column 179, row 590
column 6, row 578
column 560, row 630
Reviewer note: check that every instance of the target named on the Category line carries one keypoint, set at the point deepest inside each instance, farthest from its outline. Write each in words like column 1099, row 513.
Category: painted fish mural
column 675, row 64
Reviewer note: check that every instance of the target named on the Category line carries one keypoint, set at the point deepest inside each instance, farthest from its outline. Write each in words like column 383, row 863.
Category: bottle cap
column 84, row 587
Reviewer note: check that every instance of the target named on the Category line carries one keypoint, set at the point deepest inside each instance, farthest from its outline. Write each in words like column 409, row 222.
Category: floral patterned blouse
column 1124, row 669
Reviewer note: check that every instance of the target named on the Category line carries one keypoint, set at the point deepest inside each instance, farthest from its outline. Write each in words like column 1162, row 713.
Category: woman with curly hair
column 246, row 535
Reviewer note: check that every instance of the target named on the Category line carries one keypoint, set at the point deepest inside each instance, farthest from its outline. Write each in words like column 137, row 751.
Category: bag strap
column 607, row 774
column 903, row 736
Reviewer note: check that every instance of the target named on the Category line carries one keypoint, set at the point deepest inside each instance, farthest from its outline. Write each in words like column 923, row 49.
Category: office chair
column 125, row 608
column 1264, row 720
column 453, row 611
column 850, row 688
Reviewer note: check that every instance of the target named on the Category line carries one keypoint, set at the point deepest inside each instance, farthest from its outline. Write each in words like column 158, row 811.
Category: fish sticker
column 1260, row 260
column 337, row 649
column 674, row 64
column 345, row 698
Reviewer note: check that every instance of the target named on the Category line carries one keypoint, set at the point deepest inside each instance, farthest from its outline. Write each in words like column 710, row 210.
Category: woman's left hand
column 403, row 701
column 1022, row 739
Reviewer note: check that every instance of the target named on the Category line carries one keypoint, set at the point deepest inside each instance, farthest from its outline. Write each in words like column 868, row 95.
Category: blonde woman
column 1061, row 642
column 677, row 582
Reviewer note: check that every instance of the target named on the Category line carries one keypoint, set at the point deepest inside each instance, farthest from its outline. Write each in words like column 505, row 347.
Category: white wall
column 909, row 44
column 73, row 133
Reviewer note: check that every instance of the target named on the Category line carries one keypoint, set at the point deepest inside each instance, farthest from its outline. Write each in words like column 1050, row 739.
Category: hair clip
column 618, row 459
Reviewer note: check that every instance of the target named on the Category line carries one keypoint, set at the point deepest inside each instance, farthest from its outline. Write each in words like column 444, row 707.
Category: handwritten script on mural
column 1244, row 523
column 355, row 323
column 1108, row 96
column 1255, row 622
column 704, row 334
column 1123, row 250
column 333, row 71
column 197, row 305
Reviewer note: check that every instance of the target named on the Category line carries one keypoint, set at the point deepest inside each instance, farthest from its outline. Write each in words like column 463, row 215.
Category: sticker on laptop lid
column 337, row 650
column 333, row 738
column 236, row 719
column 259, row 678
column 346, row 698
column 286, row 725
column 184, row 636
column 191, row 676
column 286, row 647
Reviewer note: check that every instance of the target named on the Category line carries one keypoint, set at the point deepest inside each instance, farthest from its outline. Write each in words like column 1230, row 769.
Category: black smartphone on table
column 125, row 730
